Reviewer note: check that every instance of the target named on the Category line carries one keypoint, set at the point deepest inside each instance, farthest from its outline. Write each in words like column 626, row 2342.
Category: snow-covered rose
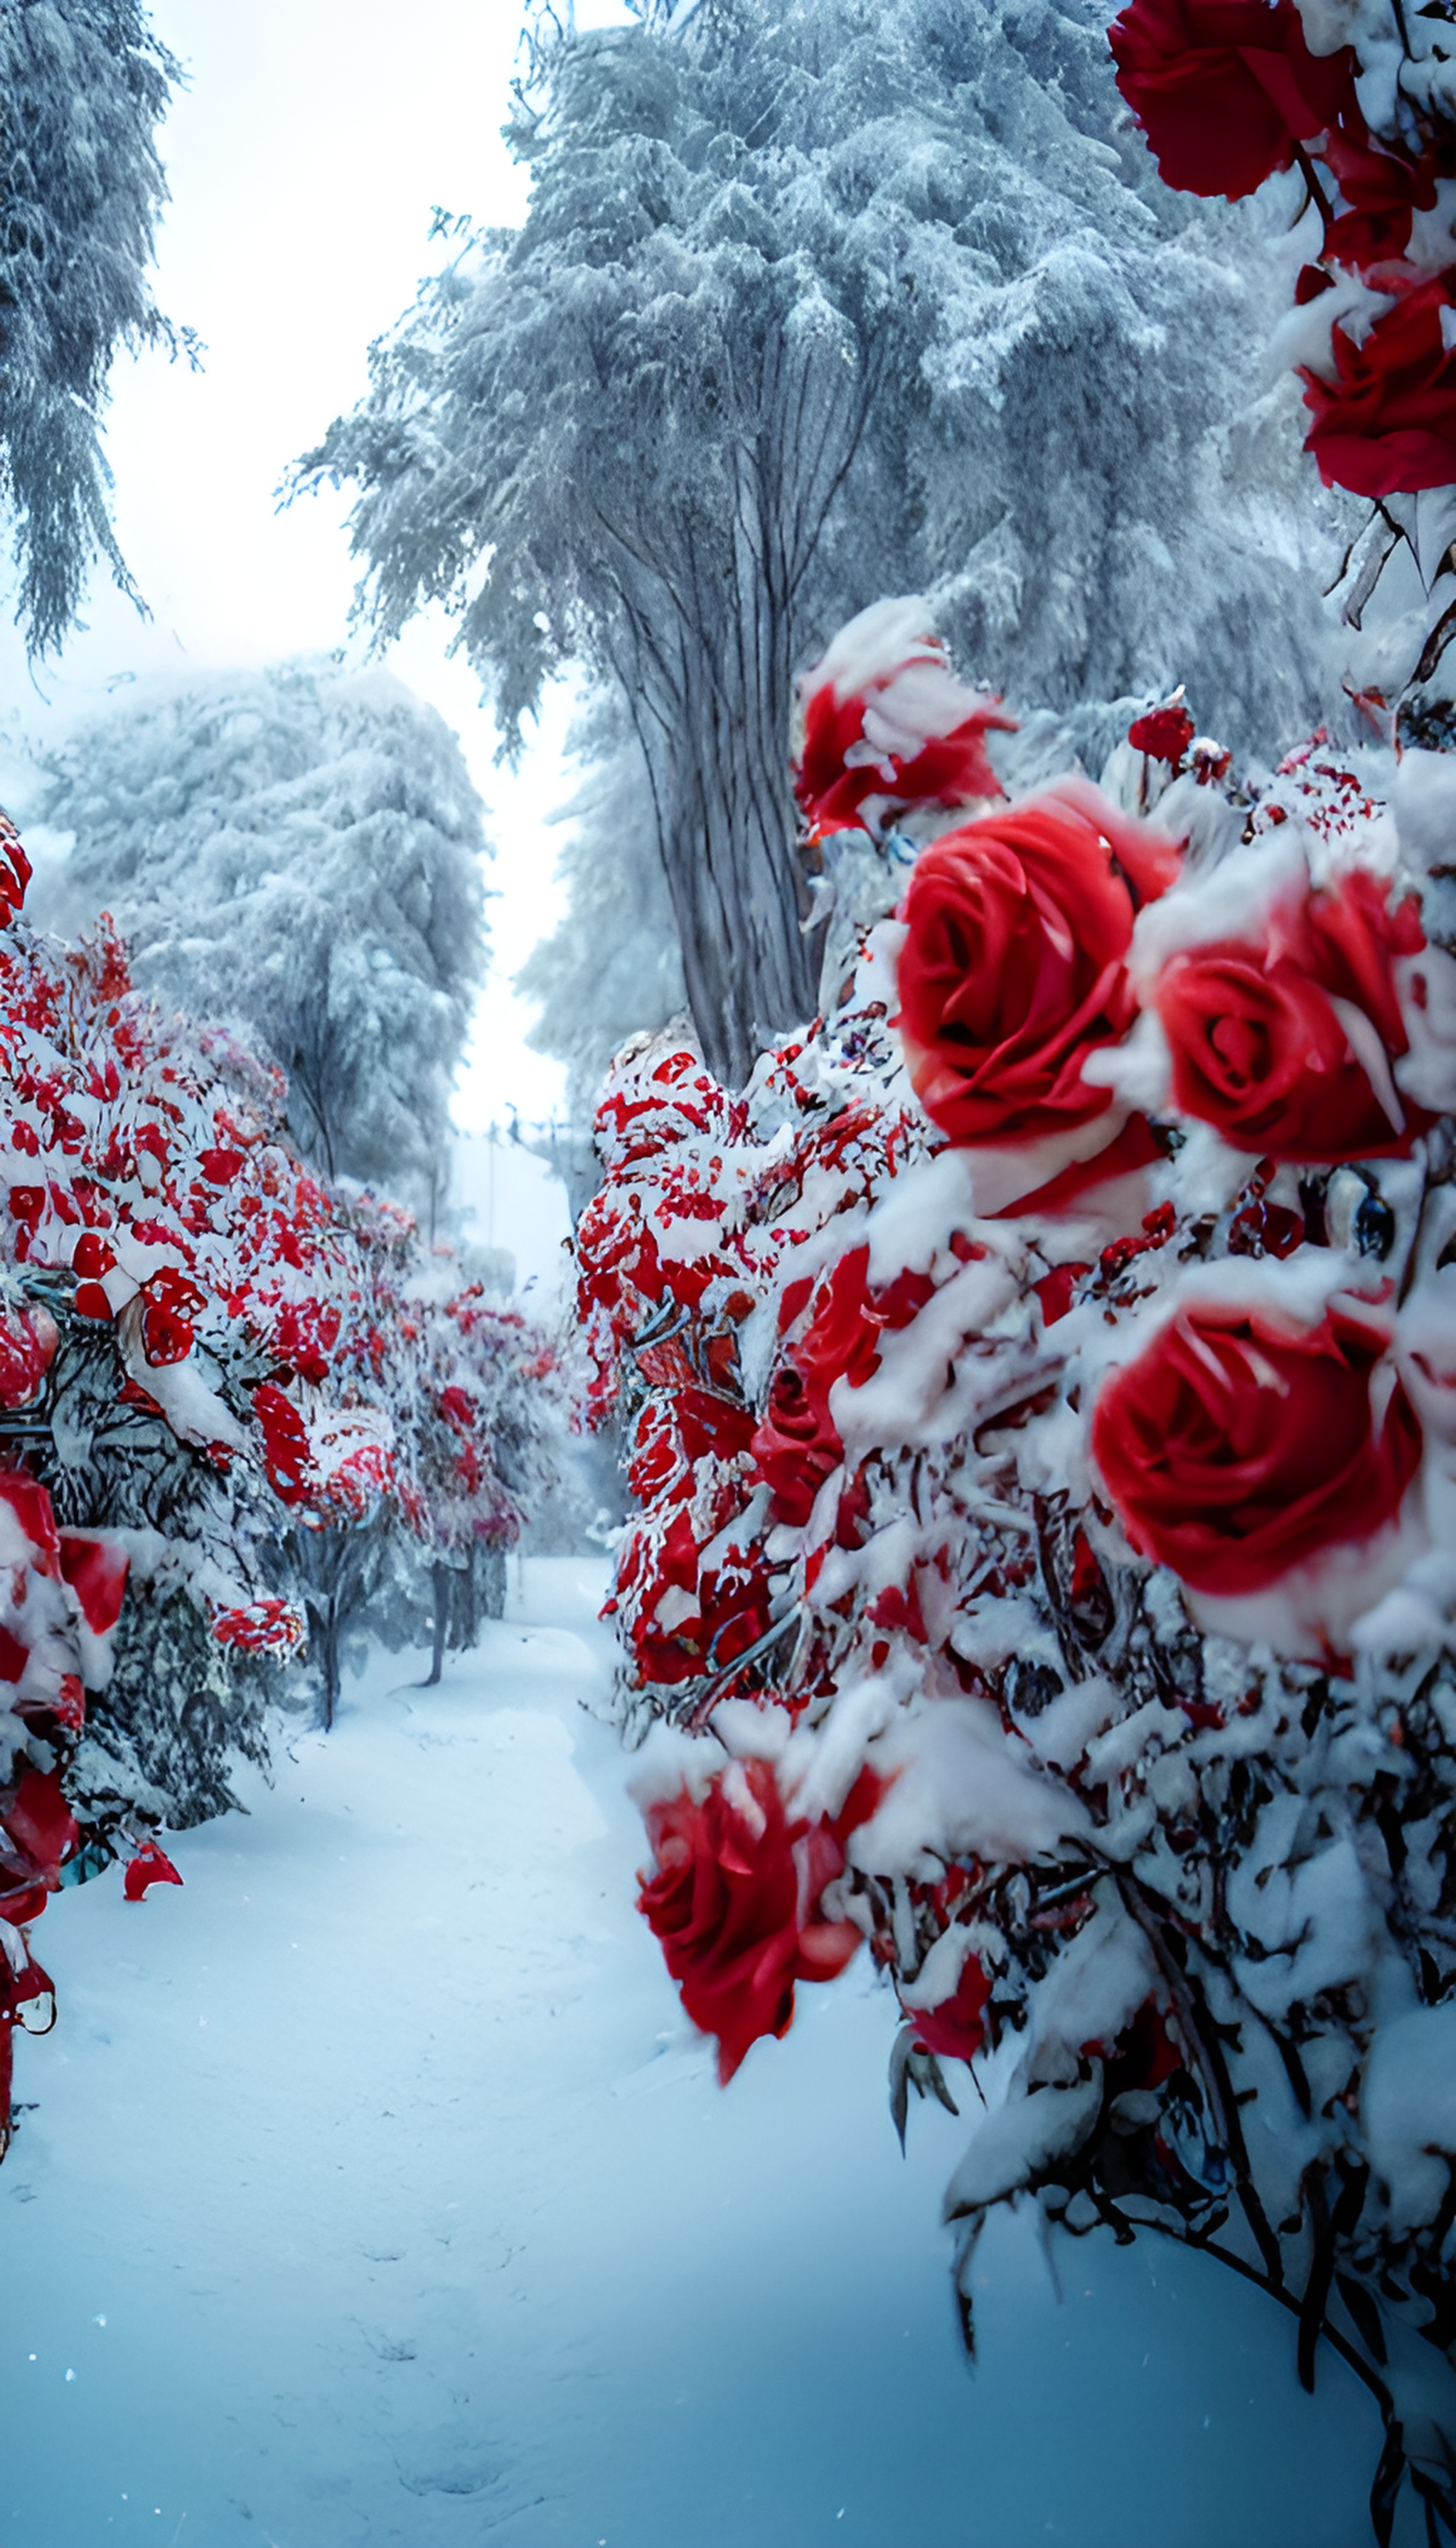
column 1285, row 1039
column 734, row 1900
column 798, row 1444
column 1388, row 423
column 28, row 1339
column 887, row 725
column 1225, row 89
column 1014, row 966
column 1243, row 1444
column 954, row 2027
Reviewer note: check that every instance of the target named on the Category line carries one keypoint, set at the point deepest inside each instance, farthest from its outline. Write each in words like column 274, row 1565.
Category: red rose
column 1380, row 193
column 37, row 1834
column 31, row 1505
column 1240, row 1445
column 1164, row 734
column 15, row 868
column 288, row 1457
column 17, row 1987
column 1388, row 424
column 1226, row 90
column 693, row 1619
column 887, row 724
column 798, row 1444
column 1013, row 970
column 838, row 769
column 734, row 1902
column 150, row 1865
column 1285, row 1045
column 96, row 1571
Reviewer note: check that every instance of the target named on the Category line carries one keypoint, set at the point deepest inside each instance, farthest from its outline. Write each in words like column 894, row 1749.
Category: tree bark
column 325, row 1624
column 495, row 1584
column 732, row 873
column 441, row 1585
column 712, row 623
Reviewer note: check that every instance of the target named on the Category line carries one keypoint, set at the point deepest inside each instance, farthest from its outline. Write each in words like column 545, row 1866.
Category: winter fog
column 728, row 1273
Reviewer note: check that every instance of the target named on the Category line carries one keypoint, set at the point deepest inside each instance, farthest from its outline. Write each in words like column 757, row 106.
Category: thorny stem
column 1306, row 167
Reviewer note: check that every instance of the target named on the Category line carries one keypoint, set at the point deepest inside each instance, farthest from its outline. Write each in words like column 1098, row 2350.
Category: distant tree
column 815, row 301
column 296, row 851
column 83, row 87
column 613, row 967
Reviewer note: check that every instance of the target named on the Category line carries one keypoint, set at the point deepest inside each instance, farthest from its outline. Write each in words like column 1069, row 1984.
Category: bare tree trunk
column 713, row 627
column 495, row 1584
column 441, row 1584
column 325, row 1626
column 716, row 740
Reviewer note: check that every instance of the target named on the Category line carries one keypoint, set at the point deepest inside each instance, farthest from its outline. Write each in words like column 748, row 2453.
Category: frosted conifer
column 83, row 87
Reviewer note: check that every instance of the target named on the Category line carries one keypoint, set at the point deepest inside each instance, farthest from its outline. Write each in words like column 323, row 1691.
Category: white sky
column 304, row 159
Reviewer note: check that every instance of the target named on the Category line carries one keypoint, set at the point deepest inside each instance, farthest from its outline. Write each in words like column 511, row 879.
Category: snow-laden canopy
column 810, row 303
column 295, row 850
column 83, row 87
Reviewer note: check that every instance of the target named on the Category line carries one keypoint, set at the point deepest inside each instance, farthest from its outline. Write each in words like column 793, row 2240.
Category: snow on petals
column 887, row 726
column 1286, row 1038
column 1240, row 1445
column 1014, row 966
column 734, row 1899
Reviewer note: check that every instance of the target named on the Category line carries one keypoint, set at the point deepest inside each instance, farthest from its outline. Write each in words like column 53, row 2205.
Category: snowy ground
column 373, row 2192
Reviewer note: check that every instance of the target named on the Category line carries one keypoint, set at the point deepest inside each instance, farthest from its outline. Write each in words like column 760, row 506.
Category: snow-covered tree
column 83, row 87
column 295, row 850
column 811, row 301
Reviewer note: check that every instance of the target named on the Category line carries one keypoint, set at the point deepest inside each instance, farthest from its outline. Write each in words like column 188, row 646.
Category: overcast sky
column 303, row 157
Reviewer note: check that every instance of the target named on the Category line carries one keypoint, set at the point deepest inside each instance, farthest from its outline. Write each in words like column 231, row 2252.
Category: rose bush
column 1135, row 1586
column 249, row 1407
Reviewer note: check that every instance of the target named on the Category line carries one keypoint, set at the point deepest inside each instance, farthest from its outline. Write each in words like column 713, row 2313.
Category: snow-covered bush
column 240, row 1411
column 293, row 852
column 1039, row 1389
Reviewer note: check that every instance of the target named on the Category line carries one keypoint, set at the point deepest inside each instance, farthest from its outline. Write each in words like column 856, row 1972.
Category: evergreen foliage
column 295, row 850
column 83, row 87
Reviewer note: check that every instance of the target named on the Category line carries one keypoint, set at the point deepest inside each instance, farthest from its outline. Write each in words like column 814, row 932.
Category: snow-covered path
column 374, row 2192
